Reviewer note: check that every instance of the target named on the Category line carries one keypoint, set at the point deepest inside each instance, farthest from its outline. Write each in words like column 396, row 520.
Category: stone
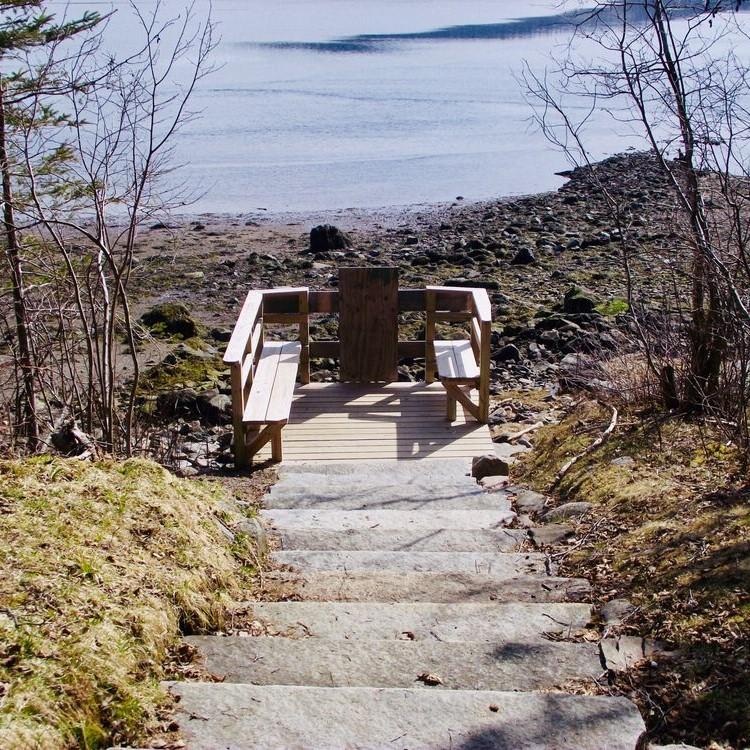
column 528, row 501
column 616, row 611
column 523, row 257
column 489, row 466
column 254, row 529
column 325, row 238
column 623, row 461
column 215, row 408
column 578, row 300
column 170, row 319
column 567, row 510
column 508, row 353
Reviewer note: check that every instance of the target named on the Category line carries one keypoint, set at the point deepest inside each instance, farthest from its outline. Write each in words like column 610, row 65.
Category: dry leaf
column 429, row 679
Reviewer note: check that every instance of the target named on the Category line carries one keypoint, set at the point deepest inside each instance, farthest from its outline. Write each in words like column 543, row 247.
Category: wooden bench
column 464, row 363
column 264, row 372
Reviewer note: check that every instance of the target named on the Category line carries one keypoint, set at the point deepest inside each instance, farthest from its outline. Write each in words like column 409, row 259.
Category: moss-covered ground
column 670, row 531
column 102, row 568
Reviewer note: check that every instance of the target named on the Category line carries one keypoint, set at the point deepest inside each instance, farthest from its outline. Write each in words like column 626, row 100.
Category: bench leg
column 450, row 405
column 455, row 392
column 276, row 446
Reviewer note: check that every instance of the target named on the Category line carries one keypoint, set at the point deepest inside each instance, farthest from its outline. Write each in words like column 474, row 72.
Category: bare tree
column 666, row 70
column 89, row 179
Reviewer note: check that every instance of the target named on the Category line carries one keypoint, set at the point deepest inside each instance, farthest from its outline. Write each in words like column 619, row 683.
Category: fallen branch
column 516, row 435
column 598, row 442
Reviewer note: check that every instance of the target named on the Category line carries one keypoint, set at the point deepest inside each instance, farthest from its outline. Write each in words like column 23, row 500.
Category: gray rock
column 623, row 461
column 489, row 466
column 523, row 257
column 578, row 300
column 568, row 510
column 528, row 501
column 326, row 237
column 616, row 611
column 508, row 353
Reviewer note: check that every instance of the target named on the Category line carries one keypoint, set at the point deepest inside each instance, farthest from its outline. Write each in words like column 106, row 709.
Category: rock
column 326, row 237
column 215, row 408
column 523, row 257
column 170, row 319
column 615, row 612
column 528, row 501
column 568, row 510
column 623, row 461
column 508, row 353
column 489, row 466
column 494, row 483
column 578, row 300
column 253, row 528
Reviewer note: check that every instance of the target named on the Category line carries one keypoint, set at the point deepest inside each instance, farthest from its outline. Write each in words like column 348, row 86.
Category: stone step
column 421, row 621
column 383, row 471
column 432, row 520
column 247, row 717
column 500, row 566
column 393, row 495
column 511, row 665
column 440, row 540
column 378, row 586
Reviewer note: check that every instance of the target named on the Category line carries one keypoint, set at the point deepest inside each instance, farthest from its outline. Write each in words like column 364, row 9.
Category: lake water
column 324, row 104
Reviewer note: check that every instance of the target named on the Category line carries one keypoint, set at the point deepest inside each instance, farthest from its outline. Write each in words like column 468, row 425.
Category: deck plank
column 393, row 422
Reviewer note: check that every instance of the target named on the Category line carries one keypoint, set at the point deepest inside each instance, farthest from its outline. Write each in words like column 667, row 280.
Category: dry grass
column 670, row 532
column 101, row 568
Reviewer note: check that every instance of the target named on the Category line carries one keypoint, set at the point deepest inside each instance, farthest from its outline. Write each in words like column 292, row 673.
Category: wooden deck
column 395, row 421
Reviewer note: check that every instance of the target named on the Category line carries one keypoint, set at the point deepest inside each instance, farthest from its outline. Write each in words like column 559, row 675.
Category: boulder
column 326, row 237
column 489, row 465
column 523, row 257
column 578, row 300
column 508, row 353
column 170, row 319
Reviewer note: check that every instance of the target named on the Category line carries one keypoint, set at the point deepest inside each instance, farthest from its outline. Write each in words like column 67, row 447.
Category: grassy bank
column 670, row 531
column 101, row 569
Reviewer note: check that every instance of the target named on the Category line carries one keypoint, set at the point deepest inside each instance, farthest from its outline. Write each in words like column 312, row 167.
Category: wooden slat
column 482, row 306
column 283, row 386
column 284, row 318
column 326, row 301
column 325, row 349
column 276, row 368
column 251, row 310
column 368, row 324
column 283, row 300
column 456, row 361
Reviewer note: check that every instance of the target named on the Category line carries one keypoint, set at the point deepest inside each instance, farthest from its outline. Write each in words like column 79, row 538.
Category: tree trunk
column 27, row 418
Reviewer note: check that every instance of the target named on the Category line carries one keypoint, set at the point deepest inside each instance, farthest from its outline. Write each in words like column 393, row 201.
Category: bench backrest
column 368, row 324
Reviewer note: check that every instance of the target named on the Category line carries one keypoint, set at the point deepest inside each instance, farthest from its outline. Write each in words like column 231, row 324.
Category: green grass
column 100, row 567
column 613, row 307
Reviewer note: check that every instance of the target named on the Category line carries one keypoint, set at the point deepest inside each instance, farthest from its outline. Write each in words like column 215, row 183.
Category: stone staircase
column 415, row 619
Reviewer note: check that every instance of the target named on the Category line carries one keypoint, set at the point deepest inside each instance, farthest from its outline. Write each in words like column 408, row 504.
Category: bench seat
column 270, row 398
column 456, row 362
column 457, row 367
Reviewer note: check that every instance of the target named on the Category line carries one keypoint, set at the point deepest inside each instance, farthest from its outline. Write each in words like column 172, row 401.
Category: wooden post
column 429, row 354
column 241, row 458
column 484, row 372
column 304, row 337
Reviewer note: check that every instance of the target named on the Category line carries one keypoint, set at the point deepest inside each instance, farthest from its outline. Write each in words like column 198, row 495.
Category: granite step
column 495, row 566
column 318, row 662
column 379, row 586
column 422, row 621
column 247, row 717
column 419, row 540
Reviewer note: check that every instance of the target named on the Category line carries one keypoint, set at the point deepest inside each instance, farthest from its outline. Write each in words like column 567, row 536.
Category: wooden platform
column 395, row 421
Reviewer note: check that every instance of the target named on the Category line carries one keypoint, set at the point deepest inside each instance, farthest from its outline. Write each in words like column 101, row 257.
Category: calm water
column 336, row 103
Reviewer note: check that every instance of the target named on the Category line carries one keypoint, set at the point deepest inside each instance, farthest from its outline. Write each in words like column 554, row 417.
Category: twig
column 598, row 442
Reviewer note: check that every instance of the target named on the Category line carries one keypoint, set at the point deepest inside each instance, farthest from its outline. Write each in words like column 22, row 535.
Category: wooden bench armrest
column 243, row 329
